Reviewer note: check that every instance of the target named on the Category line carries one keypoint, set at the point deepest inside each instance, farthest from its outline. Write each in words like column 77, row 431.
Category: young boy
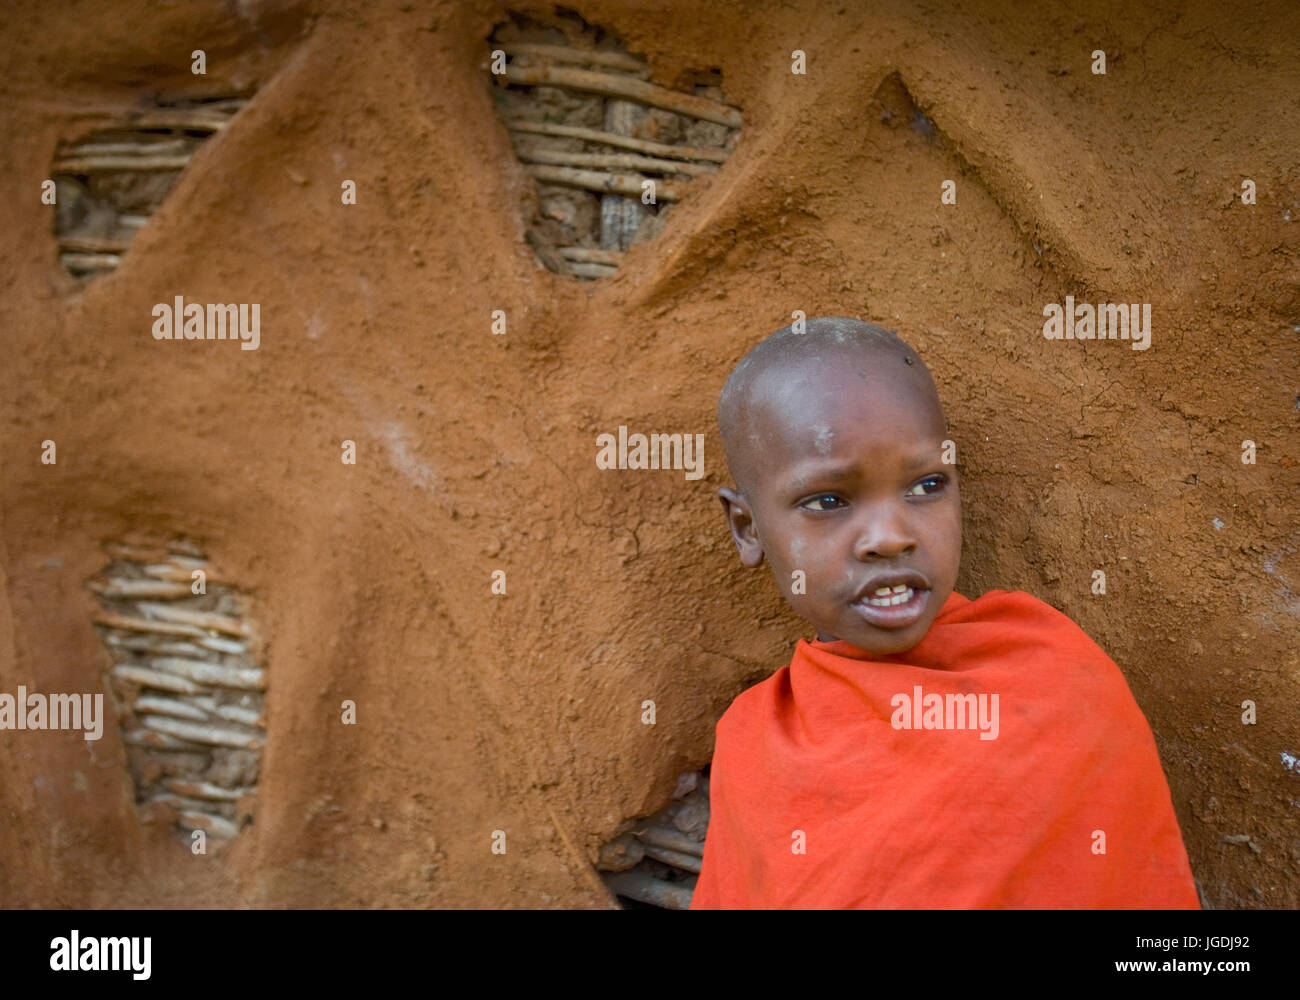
column 926, row 750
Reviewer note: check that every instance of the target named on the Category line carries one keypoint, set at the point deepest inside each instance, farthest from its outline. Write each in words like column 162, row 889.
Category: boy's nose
column 884, row 534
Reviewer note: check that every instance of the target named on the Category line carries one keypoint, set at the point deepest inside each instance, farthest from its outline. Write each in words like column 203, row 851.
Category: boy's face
column 844, row 483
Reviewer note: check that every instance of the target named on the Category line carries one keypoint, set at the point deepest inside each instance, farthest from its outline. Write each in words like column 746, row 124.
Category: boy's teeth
column 888, row 597
column 900, row 588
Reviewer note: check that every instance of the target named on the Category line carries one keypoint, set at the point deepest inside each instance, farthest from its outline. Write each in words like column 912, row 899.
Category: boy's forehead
column 807, row 396
column 792, row 391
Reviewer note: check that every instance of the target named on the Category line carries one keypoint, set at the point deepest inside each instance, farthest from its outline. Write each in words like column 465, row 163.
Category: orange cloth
column 940, row 818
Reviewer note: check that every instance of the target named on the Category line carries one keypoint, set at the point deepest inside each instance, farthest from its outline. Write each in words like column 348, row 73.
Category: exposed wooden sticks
column 89, row 261
column 168, row 571
column 206, row 790
column 620, row 854
column 133, row 624
column 180, row 763
column 165, row 148
column 153, row 644
column 118, row 587
column 594, row 180
column 568, row 54
column 181, row 802
column 592, row 270
column 175, row 573
column 104, row 164
column 673, row 840
column 145, row 677
column 107, row 178
column 191, row 694
column 199, row 619
column 592, row 256
column 656, row 862
column 213, row 674
column 627, row 87
column 595, row 133
column 221, row 645
column 207, row 734
column 661, row 149
column 646, row 888
column 686, row 862
column 216, row 826
column 621, row 217
column 180, row 120
column 612, row 161
column 158, row 741
column 153, row 705
column 235, row 713
column 545, row 252
column 87, row 244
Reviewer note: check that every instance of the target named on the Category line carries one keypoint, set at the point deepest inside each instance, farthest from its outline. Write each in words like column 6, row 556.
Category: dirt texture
column 522, row 713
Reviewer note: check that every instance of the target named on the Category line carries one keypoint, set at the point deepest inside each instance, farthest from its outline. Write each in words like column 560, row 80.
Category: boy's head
column 834, row 437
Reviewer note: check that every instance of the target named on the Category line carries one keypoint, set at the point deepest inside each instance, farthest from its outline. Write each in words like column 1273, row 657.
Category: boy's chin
column 878, row 641
column 888, row 644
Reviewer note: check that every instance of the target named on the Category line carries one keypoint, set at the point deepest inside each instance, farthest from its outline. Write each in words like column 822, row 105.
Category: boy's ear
column 741, row 522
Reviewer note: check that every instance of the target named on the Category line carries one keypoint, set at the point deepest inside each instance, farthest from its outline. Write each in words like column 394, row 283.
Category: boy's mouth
column 893, row 602
column 885, row 597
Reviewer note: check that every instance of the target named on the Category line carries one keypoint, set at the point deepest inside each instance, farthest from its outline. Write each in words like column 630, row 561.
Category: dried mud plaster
column 520, row 711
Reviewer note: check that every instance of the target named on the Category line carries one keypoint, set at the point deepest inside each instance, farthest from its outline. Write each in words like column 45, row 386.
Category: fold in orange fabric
column 1000, row 763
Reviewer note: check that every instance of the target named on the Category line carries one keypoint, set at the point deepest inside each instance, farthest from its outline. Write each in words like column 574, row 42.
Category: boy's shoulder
column 1016, row 627
column 1002, row 622
column 750, row 702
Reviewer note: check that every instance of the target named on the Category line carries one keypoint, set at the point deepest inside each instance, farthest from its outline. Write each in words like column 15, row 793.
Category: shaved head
column 846, row 480
column 787, row 363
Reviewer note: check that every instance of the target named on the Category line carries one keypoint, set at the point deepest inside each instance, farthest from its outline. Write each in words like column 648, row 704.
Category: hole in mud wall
column 108, row 182
column 656, row 861
column 190, row 696
column 611, row 152
column 893, row 102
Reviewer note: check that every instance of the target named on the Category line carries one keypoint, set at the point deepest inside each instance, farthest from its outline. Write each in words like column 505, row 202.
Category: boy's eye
column 825, row 501
column 935, row 484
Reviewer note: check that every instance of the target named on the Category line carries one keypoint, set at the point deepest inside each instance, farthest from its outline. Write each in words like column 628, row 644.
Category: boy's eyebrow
column 927, row 457
column 824, row 470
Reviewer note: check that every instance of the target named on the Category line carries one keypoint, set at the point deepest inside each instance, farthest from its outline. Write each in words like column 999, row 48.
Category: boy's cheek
column 951, row 542
column 792, row 581
column 799, row 586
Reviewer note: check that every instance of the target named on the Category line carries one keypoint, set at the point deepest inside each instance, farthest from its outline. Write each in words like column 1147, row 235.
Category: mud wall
column 478, row 712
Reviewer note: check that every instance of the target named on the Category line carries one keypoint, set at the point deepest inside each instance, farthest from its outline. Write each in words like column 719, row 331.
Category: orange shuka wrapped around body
column 847, row 781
